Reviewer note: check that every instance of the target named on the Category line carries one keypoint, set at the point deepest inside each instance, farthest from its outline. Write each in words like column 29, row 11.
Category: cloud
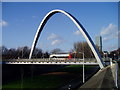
column 77, row 32
column 33, row 16
column 110, row 37
column 105, row 39
column 56, row 42
column 109, row 32
column 3, row 23
column 52, row 36
column 112, row 47
column 55, row 39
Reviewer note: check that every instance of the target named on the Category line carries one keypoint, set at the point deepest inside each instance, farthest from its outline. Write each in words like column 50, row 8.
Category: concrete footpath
column 105, row 78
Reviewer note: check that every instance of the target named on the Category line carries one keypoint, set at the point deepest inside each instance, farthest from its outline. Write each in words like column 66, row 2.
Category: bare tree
column 11, row 53
column 4, row 52
column 20, row 52
column 38, row 53
column 83, row 47
column 46, row 54
column 23, row 52
column 57, row 50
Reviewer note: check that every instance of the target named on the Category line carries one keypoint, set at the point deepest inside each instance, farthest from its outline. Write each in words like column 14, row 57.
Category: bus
column 61, row 55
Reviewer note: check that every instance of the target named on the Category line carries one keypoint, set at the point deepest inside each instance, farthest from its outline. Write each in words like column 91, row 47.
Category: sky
column 20, row 21
column 60, row 1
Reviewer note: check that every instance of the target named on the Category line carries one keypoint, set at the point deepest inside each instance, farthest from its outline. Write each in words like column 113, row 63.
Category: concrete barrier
column 104, row 78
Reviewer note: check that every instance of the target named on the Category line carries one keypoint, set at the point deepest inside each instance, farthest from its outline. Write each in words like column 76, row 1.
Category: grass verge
column 48, row 80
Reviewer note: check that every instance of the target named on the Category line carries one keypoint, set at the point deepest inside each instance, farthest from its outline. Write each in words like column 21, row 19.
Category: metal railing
column 50, row 60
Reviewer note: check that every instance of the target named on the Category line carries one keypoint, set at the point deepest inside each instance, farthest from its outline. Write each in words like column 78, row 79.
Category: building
column 98, row 40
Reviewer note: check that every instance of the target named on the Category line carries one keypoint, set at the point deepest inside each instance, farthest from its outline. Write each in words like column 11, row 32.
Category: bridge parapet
column 104, row 78
column 52, row 61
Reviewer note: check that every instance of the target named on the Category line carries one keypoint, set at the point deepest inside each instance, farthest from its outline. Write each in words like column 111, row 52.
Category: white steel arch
column 79, row 26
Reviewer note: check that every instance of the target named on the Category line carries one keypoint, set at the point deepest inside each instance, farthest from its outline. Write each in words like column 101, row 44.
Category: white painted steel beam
column 79, row 26
column 55, row 63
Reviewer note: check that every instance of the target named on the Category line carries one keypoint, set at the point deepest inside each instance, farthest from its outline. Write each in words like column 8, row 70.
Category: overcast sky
column 21, row 20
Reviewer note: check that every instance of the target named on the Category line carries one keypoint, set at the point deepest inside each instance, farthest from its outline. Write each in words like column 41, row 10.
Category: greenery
column 74, row 68
column 48, row 80
column 82, row 47
column 43, row 81
column 21, row 52
column 78, row 49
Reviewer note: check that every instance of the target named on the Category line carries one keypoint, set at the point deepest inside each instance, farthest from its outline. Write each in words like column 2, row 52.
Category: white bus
column 61, row 55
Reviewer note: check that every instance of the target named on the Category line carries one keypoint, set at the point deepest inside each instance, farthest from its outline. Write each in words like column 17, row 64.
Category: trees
column 3, row 51
column 82, row 47
column 11, row 53
column 46, row 55
column 115, row 54
column 38, row 53
column 21, row 52
column 55, row 51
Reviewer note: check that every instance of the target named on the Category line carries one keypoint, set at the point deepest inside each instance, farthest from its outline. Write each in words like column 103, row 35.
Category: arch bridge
column 97, row 79
column 67, row 62
column 79, row 26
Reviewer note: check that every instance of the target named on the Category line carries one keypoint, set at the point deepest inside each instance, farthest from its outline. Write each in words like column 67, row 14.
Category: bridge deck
column 51, row 61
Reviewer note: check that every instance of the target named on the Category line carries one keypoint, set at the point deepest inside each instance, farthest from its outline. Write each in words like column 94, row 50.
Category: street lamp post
column 75, row 54
column 83, row 67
